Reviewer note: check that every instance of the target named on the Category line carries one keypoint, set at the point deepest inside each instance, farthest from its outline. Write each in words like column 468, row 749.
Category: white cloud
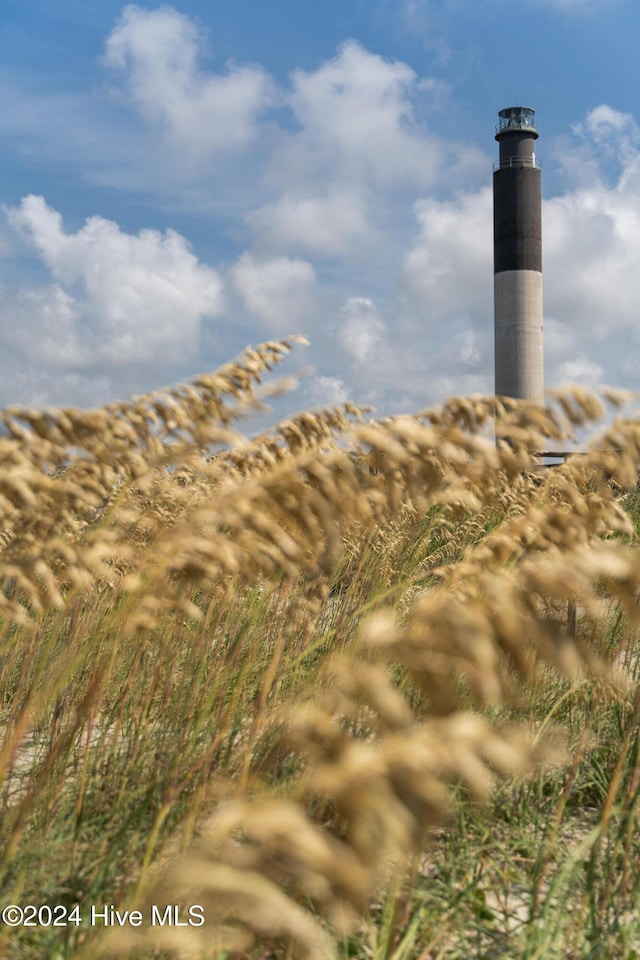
column 559, row 342
column 390, row 367
column 356, row 107
column 464, row 349
column 607, row 140
column 603, row 120
column 118, row 300
column 46, row 355
column 361, row 330
column 326, row 391
column 158, row 54
column 581, row 370
column 592, row 258
column 278, row 292
column 358, row 136
column 357, row 126
column 332, row 223
column 43, row 327
column 450, row 266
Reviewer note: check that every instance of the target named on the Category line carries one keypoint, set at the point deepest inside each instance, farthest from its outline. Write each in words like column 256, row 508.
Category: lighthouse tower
column 517, row 254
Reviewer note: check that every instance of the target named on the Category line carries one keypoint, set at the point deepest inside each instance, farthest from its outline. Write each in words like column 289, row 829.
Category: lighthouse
column 517, row 258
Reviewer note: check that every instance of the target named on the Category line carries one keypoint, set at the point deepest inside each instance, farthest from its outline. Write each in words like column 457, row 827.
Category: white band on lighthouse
column 518, row 334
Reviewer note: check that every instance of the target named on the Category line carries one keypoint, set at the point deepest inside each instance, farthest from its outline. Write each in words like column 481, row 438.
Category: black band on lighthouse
column 517, row 220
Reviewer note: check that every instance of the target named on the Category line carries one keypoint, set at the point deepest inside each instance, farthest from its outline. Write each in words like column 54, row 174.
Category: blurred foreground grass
column 322, row 682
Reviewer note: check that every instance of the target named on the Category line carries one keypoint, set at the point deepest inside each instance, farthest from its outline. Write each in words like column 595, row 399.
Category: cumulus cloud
column 450, row 266
column 277, row 292
column 603, row 120
column 607, row 145
column 43, row 327
column 361, row 330
column 581, row 370
column 158, row 53
column 332, row 223
column 356, row 107
column 117, row 299
column 589, row 232
column 463, row 350
column 357, row 135
column 326, row 391
column 357, row 124
column 383, row 367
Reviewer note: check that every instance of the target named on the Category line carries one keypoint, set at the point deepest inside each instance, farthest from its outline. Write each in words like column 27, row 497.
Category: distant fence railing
column 564, row 455
column 560, row 454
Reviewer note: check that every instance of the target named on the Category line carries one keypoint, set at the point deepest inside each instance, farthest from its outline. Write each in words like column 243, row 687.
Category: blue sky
column 178, row 181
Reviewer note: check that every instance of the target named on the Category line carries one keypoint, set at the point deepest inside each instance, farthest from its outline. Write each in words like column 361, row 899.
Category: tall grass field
column 345, row 689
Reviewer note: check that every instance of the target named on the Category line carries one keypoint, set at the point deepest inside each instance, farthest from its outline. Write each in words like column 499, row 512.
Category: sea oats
column 292, row 649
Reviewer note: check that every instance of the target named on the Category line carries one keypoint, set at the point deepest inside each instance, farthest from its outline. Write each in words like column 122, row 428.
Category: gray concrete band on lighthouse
column 517, row 220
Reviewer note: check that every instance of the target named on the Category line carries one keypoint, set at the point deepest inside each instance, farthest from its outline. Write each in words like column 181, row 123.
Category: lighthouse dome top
column 517, row 119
